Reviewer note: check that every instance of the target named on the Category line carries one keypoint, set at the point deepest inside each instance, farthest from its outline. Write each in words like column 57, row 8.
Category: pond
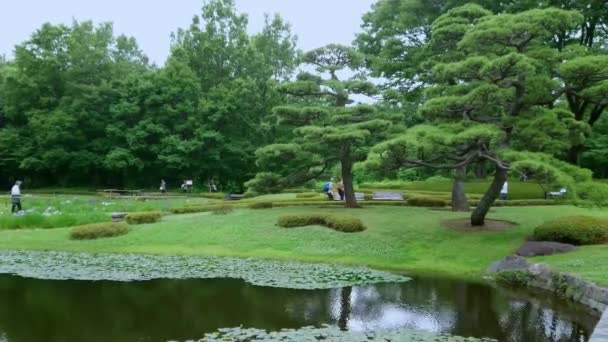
column 160, row 310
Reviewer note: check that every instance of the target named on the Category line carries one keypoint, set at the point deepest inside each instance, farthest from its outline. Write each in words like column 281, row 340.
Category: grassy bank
column 52, row 211
column 398, row 238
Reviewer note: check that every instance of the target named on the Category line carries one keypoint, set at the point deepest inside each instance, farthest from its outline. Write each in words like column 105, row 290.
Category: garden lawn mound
column 537, row 248
column 464, row 225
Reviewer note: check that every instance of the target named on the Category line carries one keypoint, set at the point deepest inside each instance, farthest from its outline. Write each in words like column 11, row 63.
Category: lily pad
column 135, row 267
column 329, row 333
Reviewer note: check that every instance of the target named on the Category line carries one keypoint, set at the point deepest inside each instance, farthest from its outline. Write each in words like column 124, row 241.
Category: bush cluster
column 143, row 217
column 576, row 230
column 337, row 222
column 426, row 202
column 99, row 230
column 513, row 278
column 595, row 193
column 260, row 205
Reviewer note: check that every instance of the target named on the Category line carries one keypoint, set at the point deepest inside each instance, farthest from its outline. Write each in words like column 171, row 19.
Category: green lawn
column 398, row 238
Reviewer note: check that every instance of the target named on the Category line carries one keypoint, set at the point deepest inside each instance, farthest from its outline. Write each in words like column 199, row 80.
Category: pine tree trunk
column 345, row 307
column 347, row 179
column 479, row 214
column 574, row 155
column 460, row 201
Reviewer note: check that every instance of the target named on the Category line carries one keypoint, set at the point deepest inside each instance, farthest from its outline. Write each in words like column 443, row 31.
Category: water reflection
column 39, row 310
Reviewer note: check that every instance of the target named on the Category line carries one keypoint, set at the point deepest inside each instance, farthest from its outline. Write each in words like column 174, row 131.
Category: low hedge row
column 308, row 195
column 576, row 230
column 219, row 208
column 416, row 201
column 340, row 223
column 99, row 230
column 426, row 202
column 143, row 217
column 260, row 205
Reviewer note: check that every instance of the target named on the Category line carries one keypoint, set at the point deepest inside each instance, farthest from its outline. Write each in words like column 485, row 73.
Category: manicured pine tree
column 328, row 128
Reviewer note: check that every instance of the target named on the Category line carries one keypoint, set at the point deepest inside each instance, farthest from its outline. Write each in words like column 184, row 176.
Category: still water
column 160, row 310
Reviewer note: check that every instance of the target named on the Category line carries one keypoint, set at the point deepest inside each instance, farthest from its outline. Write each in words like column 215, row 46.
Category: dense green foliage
column 81, row 106
column 143, row 217
column 466, row 88
column 595, row 193
column 340, row 223
column 99, row 230
column 400, row 36
column 576, row 230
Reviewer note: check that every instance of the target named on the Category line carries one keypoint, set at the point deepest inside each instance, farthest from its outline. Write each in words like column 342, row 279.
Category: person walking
column 340, row 188
column 163, row 186
column 504, row 192
column 16, row 197
column 328, row 188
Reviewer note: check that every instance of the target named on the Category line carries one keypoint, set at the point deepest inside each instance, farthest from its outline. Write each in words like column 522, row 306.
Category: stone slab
column 388, row 195
column 535, row 248
column 510, row 262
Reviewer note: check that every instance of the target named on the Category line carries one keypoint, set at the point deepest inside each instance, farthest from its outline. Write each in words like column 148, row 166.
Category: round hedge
column 576, row 230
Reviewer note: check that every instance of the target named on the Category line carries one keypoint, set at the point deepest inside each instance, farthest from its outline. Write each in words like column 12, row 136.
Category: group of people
column 187, row 186
column 331, row 188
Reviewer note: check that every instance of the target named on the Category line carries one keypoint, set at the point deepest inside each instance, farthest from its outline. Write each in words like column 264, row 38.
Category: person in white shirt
column 16, row 196
column 504, row 191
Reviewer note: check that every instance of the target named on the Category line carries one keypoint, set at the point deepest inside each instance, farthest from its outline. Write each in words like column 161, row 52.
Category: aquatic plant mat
column 328, row 333
column 133, row 267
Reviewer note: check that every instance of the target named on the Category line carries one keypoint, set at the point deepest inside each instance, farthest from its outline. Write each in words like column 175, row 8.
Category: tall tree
column 498, row 79
column 57, row 95
column 328, row 129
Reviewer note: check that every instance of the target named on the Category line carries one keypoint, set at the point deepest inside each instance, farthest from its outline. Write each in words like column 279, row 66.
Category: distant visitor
column 163, row 186
column 504, row 192
column 16, row 197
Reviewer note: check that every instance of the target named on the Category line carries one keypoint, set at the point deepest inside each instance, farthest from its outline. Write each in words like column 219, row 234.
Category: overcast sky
column 316, row 22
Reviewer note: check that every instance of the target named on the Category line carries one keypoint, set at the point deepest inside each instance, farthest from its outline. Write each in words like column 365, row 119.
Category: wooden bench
column 233, row 197
column 359, row 196
column 553, row 194
column 388, row 196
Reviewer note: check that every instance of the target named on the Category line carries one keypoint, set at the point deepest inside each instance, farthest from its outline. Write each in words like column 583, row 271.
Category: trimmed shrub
column 292, row 221
column 143, row 217
column 595, row 193
column 513, row 278
column 308, row 195
column 99, row 230
column 345, row 224
column 426, row 202
column 260, row 205
column 575, row 230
